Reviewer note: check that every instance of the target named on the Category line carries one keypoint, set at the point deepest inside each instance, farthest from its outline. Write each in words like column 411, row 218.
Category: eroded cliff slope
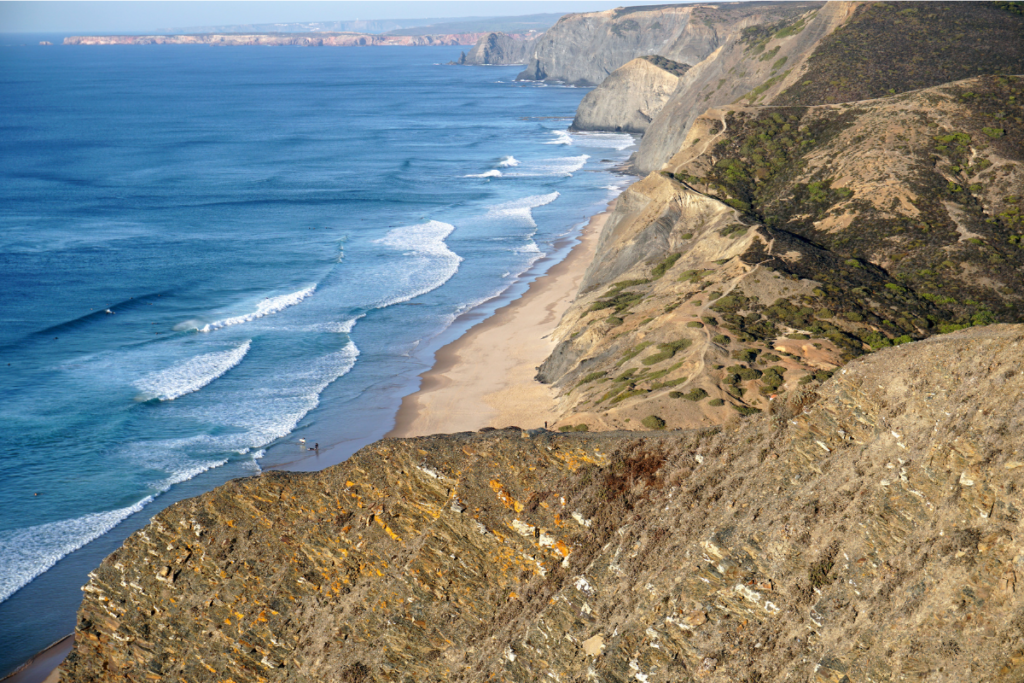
column 501, row 48
column 630, row 98
column 783, row 242
column 842, row 52
column 866, row 529
column 585, row 48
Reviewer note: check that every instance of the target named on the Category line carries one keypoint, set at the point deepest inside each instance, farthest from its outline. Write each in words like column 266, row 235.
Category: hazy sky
column 137, row 16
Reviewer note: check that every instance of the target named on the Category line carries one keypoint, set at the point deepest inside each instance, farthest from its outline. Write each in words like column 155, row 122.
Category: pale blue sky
column 134, row 16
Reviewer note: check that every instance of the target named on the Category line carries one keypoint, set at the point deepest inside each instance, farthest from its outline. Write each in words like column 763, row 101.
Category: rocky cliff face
column 629, row 98
column 785, row 242
column 500, row 48
column 842, row 52
column 866, row 529
column 586, row 48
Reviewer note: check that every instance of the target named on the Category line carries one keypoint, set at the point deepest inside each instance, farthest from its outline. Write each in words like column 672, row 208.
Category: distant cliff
column 630, row 97
column 586, row 48
column 300, row 39
column 501, row 48
column 866, row 529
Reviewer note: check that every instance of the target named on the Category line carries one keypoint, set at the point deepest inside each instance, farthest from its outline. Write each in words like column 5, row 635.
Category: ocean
column 207, row 254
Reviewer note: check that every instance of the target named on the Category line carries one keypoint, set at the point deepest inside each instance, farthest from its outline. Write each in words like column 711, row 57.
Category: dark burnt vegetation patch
column 930, row 282
column 894, row 47
column 673, row 67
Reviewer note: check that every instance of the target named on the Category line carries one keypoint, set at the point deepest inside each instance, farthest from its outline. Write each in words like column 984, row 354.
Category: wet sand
column 486, row 377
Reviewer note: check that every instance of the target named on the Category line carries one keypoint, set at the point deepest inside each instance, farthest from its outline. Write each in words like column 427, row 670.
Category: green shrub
column 666, row 351
column 667, row 384
column 744, row 373
column 694, row 323
column 591, row 377
column 797, row 335
column 653, row 422
column 716, row 402
column 993, row 132
column 773, row 377
column 686, row 236
column 664, row 266
column 613, row 320
column 696, row 394
column 721, row 339
column 633, row 352
column 733, row 231
column 745, row 355
column 577, row 428
column 745, row 410
column 713, row 295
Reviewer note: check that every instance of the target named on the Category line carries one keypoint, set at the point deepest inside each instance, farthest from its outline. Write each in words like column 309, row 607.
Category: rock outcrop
column 866, row 529
column 783, row 242
column 628, row 99
column 500, row 49
column 299, row 39
column 585, row 49
column 842, row 52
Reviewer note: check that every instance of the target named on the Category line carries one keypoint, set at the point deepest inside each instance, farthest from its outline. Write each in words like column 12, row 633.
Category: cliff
column 629, row 98
column 300, row 39
column 584, row 49
column 783, row 242
column 867, row 529
column 842, row 52
column 500, row 48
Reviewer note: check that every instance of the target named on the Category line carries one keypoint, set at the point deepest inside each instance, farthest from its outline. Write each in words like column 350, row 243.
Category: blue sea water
column 209, row 253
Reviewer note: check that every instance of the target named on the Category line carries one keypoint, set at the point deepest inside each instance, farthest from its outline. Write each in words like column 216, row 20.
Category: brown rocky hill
column 868, row 529
column 782, row 242
column 842, row 52
column 584, row 49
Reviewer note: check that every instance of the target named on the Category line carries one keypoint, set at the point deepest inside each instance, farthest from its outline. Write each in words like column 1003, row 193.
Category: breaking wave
column 190, row 375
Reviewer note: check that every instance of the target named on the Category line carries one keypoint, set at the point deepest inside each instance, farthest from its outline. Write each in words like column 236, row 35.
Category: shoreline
column 485, row 378
column 42, row 667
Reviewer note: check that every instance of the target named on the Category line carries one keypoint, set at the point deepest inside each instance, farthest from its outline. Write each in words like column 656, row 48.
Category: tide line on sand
column 485, row 378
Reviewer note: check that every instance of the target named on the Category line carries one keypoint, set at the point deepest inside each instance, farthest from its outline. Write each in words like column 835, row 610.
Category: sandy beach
column 486, row 377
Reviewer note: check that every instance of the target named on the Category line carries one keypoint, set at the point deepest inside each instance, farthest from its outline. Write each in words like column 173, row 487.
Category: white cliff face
column 736, row 70
column 500, row 48
column 627, row 100
column 584, row 49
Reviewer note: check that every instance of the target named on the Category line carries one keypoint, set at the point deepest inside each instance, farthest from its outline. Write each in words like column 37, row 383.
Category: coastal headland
column 800, row 334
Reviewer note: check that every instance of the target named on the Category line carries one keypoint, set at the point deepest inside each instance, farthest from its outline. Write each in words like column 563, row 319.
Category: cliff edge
column 500, row 49
column 628, row 100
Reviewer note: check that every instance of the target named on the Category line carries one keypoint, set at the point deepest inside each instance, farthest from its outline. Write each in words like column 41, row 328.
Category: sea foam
column 508, row 162
column 190, row 375
column 432, row 262
column 489, row 174
column 561, row 166
column 268, row 306
column 562, row 137
column 28, row 552
column 520, row 211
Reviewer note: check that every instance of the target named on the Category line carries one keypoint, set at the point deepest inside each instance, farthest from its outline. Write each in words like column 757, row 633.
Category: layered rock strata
column 866, row 529
column 500, row 49
column 629, row 99
column 585, row 49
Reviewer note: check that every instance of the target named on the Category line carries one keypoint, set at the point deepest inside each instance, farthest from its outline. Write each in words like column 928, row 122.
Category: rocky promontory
column 863, row 529
column 628, row 100
column 498, row 48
